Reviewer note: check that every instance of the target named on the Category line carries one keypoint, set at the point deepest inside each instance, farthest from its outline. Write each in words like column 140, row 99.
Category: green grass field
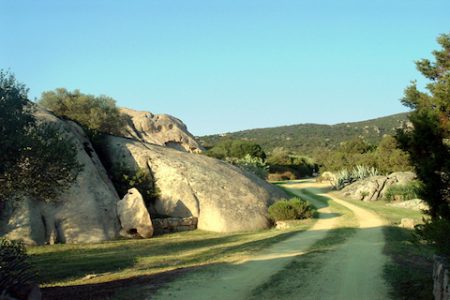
column 61, row 265
column 82, row 264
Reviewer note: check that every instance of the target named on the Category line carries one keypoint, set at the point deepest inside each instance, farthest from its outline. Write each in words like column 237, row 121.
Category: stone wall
column 441, row 288
column 168, row 225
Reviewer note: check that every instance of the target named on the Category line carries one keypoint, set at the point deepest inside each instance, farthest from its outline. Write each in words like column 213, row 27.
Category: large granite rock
column 85, row 213
column 163, row 130
column 374, row 188
column 221, row 196
column 133, row 215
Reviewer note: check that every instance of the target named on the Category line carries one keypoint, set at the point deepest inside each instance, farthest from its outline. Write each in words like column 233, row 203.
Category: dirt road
column 353, row 271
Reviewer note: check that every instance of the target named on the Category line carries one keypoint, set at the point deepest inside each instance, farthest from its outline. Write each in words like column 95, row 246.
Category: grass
column 62, row 265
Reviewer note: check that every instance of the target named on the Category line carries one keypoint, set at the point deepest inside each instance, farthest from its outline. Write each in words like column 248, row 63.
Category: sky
column 226, row 65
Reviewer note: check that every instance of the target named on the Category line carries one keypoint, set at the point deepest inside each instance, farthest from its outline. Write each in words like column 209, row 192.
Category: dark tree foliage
column 124, row 179
column 97, row 114
column 15, row 121
column 231, row 148
column 36, row 159
column 49, row 164
column 427, row 142
column 16, row 273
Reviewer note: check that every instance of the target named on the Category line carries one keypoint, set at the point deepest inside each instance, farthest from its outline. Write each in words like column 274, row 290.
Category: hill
column 304, row 138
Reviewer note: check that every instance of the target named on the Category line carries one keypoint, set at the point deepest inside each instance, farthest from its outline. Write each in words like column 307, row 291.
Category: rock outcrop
column 169, row 225
column 222, row 197
column 85, row 213
column 414, row 204
column 217, row 195
column 374, row 188
column 133, row 216
column 163, row 130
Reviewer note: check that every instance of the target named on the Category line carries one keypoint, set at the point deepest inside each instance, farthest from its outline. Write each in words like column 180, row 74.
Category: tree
column 15, row 120
column 97, row 114
column 390, row 158
column 236, row 149
column 36, row 159
column 428, row 141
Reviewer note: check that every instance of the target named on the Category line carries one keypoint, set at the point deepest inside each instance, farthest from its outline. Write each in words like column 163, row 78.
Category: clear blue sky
column 224, row 65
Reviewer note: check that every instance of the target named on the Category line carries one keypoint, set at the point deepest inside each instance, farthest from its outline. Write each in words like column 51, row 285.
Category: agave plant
column 344, row 177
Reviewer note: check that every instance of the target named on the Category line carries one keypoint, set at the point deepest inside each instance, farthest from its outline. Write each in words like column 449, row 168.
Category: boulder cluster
column 375, row 187
column 194, row 190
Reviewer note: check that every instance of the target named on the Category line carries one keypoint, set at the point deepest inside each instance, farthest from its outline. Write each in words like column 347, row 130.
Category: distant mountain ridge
column 304, row 138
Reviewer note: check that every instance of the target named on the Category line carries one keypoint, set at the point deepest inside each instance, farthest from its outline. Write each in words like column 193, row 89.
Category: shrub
column 292, row 209
column 125, row 179
column 236, row 149
column 15, row 270
column 97, row 114
column 254, row 165
column 403, row 192
column 287, row 175
column 436, row 233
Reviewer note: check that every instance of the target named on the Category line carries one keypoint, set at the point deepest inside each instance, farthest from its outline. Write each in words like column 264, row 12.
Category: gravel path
column 353, row 271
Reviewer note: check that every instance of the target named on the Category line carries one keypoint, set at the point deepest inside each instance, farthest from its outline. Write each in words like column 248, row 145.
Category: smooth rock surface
column 222, row 197
column 85, row 213
column 163, row 130
column 133, row 215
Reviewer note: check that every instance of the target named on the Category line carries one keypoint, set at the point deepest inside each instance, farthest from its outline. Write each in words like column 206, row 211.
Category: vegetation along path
column 352, row 269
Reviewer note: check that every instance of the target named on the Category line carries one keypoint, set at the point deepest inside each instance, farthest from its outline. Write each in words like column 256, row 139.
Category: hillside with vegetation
column 305, row 138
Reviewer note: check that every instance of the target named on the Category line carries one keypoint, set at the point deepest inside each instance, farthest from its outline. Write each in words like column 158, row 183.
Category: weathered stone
column 408, row 223
column 223, row 197
column 414, row 204
column 282, row 225
column 375, row 187
column 167, row 225
column 133, row 215
column 441, row 279
column 163, row 130
column 84, row 213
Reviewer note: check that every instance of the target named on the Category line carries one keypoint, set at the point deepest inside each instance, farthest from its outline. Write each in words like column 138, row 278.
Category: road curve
column 353, row 271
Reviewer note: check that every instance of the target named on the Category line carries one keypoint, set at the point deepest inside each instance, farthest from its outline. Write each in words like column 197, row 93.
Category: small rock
column 408, row 223
column 282, row 225
column 133, row 215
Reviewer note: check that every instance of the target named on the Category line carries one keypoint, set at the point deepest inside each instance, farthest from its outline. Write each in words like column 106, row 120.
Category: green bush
column 125, row 179
column 236, row 149
column 403, row 192
column 292, row 209
column 97, row 114
column 15, row 270
column 254, row 165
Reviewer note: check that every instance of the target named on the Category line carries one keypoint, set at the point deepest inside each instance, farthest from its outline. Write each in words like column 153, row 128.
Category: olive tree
column 36, row 159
